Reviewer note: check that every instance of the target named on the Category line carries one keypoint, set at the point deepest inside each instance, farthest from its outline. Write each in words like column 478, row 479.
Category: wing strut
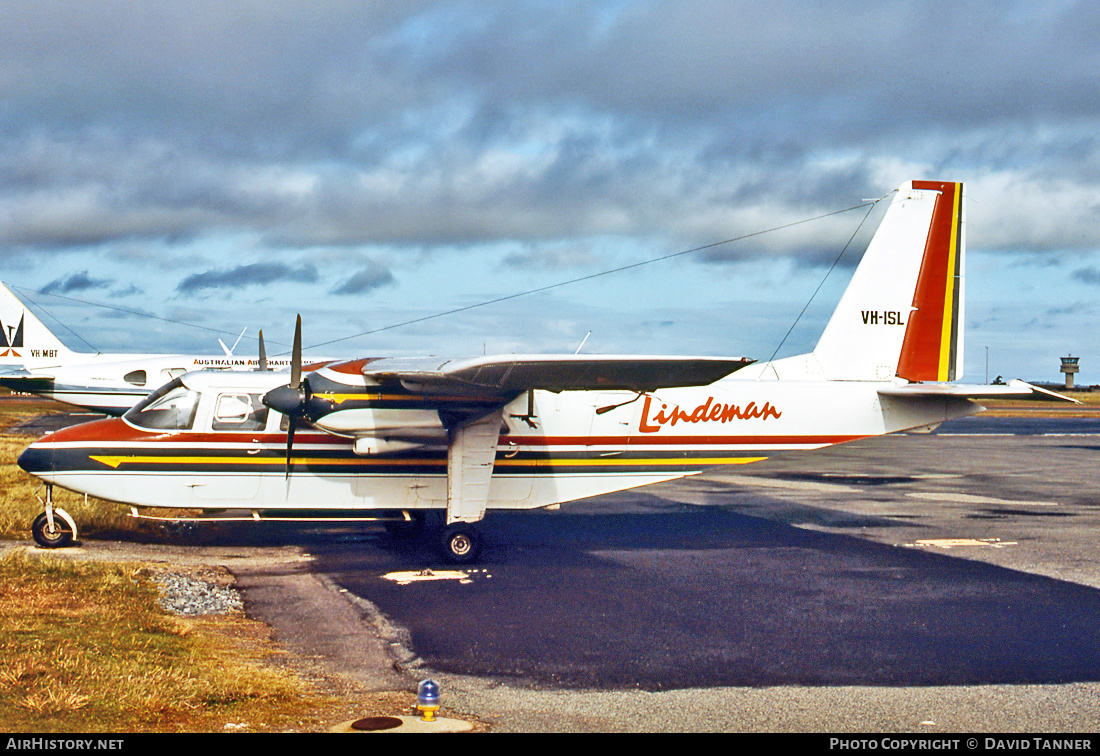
column 471, row 454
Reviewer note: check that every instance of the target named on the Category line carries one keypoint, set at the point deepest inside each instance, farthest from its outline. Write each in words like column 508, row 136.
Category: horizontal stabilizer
column 1014, row 389
column 515, row 373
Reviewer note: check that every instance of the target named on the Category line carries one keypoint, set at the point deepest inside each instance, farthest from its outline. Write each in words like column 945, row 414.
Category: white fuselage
column 553, row 449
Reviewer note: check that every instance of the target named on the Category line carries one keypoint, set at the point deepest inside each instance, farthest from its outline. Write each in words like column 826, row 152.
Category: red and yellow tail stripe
column 931, row 349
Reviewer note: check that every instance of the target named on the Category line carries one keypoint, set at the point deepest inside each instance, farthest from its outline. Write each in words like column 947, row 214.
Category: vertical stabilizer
column 901, row 313
column 932, row 349
column 24, row 340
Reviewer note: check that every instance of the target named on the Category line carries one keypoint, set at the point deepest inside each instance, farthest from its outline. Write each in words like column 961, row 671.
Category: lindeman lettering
column 709, row 411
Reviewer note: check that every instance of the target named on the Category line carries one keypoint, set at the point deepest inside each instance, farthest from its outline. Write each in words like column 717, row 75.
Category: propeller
column 292, row 399
column 263, row 352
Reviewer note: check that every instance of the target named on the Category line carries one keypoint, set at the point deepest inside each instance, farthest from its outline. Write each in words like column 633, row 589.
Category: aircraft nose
column 36, row 459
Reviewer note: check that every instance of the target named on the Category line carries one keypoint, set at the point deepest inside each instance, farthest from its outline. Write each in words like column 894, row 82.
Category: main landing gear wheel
column 55, row 537
column 461, row 543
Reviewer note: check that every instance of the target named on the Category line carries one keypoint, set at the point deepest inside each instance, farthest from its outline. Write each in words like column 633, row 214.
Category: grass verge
column 86, row 648
column 1089, row 406
column 22, row 495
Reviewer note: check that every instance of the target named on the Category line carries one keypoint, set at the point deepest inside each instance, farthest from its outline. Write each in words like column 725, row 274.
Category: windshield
column 171, row 407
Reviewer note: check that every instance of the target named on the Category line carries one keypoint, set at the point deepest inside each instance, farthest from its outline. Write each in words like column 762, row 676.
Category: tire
column 59, row 537
column 461, row 544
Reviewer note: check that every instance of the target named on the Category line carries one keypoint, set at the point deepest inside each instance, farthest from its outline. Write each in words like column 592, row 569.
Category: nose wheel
column 54, row 528
column 461, row 543
column 52, row 535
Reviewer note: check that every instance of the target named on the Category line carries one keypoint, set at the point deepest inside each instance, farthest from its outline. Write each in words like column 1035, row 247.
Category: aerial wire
column 870, row 204
column 138, row 313
column 824, row 278
column 591, row 276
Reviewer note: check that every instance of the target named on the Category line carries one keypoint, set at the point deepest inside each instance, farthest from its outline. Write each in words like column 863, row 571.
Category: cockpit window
column 171, row 407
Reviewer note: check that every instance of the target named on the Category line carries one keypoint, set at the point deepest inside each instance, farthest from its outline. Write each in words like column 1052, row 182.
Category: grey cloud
column 246, row 275
column 444, row 123
column 76, row 282
column 1089, row 275
column 553, row 258
column 373, row 276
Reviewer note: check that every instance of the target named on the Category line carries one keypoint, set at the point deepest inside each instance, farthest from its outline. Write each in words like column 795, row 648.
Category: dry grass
column 87, row 649
column 84, row 646
column 15, row 409
column 1089, row 406
column 23, row 495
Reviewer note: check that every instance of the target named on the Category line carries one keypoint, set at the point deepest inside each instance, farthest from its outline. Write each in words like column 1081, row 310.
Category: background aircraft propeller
column 263, row 352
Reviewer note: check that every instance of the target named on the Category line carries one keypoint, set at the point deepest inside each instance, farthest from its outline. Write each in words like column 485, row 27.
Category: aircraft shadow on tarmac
column 707, row 597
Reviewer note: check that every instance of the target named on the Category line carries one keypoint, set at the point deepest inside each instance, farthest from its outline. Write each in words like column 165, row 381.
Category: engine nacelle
column 370, row 445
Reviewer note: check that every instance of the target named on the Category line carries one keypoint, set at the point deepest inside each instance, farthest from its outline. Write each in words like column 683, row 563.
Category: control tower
column 1069, row 367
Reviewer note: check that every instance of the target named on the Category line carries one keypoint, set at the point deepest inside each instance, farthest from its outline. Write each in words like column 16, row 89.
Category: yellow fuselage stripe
column 626, row 462
column 116, row 461
column 372, row 397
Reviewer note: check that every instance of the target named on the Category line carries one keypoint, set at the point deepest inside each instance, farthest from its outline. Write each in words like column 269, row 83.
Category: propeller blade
column 292, row 399
column 263, row 352
column 289, row 442
column 296, row 356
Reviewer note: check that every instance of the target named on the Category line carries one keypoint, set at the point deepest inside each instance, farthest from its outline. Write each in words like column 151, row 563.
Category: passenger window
column 136, row 377
column 239, row 412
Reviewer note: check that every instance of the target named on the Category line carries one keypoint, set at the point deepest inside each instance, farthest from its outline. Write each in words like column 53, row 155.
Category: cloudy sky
column 171, row 174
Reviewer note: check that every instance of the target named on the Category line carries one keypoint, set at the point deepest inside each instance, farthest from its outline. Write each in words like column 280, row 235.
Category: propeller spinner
column 292, row 399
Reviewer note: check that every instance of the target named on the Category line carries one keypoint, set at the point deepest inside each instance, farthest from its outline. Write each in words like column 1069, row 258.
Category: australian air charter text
column 960, row 744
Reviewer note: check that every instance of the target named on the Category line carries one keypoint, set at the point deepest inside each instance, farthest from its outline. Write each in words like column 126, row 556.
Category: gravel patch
column 191, row 596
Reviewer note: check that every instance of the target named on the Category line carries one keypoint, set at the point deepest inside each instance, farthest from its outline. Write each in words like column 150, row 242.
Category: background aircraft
column 396, row 438
column 34, row 360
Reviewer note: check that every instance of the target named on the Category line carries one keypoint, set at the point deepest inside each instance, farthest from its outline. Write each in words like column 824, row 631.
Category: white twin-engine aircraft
column 393, row 438
column 35, row 361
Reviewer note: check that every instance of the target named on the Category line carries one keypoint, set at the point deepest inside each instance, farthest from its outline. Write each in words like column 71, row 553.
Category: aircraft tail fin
column 901, row 315
column 24, row 339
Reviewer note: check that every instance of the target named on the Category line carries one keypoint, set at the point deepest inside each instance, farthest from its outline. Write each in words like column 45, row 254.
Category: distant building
column 1069, row 367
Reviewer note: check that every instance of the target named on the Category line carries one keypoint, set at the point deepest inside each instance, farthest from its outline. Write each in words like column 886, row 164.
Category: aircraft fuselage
column 553, row 447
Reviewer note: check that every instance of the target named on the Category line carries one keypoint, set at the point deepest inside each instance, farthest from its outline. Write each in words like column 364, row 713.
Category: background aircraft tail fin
column 24, row 339
column 902, row 313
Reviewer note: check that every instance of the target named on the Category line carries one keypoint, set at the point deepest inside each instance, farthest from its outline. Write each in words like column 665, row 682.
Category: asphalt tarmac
column 914, row 583
column 927, row 584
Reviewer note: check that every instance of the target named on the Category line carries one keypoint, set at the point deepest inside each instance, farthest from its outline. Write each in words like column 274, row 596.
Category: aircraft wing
column 505, row 375
column 23, row 374
column 1015, row 388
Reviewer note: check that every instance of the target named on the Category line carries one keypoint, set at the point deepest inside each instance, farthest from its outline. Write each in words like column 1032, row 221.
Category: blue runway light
column 427, row 699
